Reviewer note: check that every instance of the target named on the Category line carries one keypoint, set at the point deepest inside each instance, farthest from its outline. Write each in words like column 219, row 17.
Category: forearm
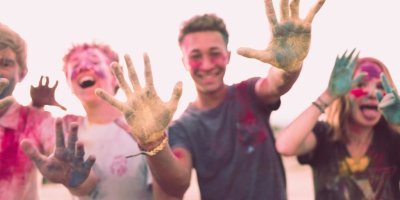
column 172, row 172
column 295, row 139
column 86, row 187
column 277, row 83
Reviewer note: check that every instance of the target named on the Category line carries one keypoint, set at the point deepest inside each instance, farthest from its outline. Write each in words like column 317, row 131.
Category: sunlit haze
column 51, row 27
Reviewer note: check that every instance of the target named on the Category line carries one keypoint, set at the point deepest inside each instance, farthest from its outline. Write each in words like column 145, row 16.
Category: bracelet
column 155, row 150
column 321, row 108
column 323, row 102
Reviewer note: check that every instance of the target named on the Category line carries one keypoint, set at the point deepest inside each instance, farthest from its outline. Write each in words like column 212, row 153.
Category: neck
column 210, row 100
column 360, row 135
column 101, row 112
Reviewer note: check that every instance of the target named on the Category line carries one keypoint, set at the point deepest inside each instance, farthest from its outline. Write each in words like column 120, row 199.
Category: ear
column 228, row 57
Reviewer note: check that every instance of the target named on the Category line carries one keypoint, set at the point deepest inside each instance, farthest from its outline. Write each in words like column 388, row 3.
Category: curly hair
column 205, row 22
column 11, row 39
column 106, row 49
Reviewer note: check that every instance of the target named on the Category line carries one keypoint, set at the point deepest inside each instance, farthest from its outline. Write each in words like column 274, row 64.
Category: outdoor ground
column 299, row 180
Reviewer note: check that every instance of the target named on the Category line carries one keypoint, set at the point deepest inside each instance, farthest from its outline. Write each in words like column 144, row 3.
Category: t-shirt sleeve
column 178, row 136
column 320, row 131
column 42, row 123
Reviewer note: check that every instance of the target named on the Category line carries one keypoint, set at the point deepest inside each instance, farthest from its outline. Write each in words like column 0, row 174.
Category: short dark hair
column 205, row 22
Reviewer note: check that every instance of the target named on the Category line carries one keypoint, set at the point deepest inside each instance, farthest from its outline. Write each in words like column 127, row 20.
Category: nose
column 207, row 64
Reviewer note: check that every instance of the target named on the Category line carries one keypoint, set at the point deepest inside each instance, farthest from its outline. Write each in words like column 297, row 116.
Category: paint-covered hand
column 291, row 37
column 389, row 104
column 341, row 82
column 147, row 115
column 6, row 101
column 66, row 165
column 44, row 95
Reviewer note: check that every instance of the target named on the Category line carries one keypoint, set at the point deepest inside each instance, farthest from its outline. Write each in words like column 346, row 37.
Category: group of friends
column 349, row 135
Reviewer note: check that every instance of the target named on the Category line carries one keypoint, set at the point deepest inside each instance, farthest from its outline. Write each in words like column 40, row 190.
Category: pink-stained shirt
column 18, row 175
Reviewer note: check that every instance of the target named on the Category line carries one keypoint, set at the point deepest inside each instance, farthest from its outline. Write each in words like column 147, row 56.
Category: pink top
column 18, row 175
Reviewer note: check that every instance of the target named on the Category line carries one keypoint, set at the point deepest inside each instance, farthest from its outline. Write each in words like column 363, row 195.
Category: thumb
column 31, row 151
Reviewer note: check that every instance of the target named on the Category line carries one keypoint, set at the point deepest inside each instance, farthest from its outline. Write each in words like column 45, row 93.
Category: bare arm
column 148, row 117
column 287, row 49
column 66, row 165
column 297, row 138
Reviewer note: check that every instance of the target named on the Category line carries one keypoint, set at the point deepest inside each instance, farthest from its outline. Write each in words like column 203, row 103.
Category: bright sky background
column 132, row 26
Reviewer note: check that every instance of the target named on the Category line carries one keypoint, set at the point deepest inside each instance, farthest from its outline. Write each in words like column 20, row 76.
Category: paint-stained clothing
column 119, row 177
column 337, row 176
column 233, row 147
column 18, row 174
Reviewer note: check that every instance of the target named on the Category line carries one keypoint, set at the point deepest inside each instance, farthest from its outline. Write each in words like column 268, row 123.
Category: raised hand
column 147, row 115
column 341, row 82
column 291, row 37
column 66, row 165
column 6, row 101
column 389, row 104
column 44, row 95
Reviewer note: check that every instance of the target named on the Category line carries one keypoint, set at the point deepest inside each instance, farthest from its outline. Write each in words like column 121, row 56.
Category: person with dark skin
column 225, row 132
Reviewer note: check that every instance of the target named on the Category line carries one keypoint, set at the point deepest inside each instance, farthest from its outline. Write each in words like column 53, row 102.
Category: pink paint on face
column 87, row 60
column 215, row 59
column 358, row 92
column 373, row 71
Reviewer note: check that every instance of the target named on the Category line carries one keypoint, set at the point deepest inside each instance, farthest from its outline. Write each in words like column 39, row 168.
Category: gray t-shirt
column 233, row 147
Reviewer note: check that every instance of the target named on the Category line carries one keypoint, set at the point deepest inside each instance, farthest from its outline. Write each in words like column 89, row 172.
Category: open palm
column 66, row 165
column 291, row 37
column 147, row 115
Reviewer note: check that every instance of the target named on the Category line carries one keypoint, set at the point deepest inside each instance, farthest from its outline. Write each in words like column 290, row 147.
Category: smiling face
column 205, row 56
column 9, row 69
column 88, row 69
column 363, row 97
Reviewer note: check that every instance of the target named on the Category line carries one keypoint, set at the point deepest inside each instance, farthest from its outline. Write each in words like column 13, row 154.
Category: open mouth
column 86, row 81
column 368, row 107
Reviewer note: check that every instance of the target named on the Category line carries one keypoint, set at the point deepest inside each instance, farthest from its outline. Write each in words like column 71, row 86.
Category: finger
column 41, row 81
column 396, row 96
column 349, row 57
column 379, row 96
column 80, row 152
column 89, row 162
column 387, row 101
column 109, row 98
column 72, row 138
column 256, row 54
column 385, row 83
column 314, row 10
column 3, row 83
column 31, row 151
column 176, row 95
column 269, row 8
column 47, row 81
column 121, row 79
column 55, row 85
column 6, row 101
column 60, row 143
column 132, row 74
column 148, row 75
column 358, row 78
column 354, row 62
column 284, row 10
column 294, row 9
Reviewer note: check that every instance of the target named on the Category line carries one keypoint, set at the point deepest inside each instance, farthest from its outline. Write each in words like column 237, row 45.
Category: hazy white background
column 132, row 26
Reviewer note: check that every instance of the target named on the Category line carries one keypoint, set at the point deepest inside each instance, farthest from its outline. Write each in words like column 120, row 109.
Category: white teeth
column 86, row 78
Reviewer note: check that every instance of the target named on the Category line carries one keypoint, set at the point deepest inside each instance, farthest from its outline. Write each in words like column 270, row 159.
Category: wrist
column 154, row 147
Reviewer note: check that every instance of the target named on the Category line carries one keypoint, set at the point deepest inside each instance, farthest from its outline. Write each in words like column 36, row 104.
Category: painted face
column 87, row 70
column 205, row 56
column 9, row 69
column 363, row 97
